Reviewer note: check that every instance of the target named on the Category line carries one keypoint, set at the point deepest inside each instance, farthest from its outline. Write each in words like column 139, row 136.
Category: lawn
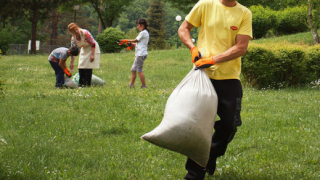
column 94, row 133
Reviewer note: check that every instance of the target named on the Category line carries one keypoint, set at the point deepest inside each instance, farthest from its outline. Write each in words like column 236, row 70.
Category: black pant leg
column 195, row 171
column 85, row 77
column 88, row 77
column 229, row 94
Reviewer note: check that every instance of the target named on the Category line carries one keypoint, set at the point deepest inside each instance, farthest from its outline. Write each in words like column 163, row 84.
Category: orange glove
column 121, row 42
column 130, row 46
column 196, row 55
column 66, row 70
column 204, row 63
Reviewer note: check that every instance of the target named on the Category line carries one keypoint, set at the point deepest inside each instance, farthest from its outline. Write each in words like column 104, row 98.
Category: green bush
column 292, row 20
column 256, row 67
column 5, row 40
column 313, row 63
column 108, row 40
column 263, row 19
column 265, row 66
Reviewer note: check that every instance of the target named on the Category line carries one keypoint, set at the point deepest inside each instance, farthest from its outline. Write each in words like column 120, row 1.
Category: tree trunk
column 54, row 26
column 97, row 6
column 34, row 22
column 310, row 23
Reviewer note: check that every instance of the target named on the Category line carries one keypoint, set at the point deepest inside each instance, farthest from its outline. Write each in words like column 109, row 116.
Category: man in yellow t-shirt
column 225, row 31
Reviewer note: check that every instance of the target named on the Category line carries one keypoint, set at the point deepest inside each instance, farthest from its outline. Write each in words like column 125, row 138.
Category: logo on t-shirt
column 234, row 28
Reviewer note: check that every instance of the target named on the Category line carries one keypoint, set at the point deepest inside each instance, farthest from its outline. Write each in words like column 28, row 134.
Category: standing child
column 57, row 59
column 141, row 44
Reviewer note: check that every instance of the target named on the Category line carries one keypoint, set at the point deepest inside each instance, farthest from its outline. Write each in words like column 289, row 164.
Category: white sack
column 189, row 116
column 95, row 80
column 69, row 82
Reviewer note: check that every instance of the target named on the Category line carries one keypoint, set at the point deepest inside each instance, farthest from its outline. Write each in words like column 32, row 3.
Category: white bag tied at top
column 189, row 116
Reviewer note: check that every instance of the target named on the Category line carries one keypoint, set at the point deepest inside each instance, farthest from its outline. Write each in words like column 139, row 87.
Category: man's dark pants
column 59, row 73
column 229, row 94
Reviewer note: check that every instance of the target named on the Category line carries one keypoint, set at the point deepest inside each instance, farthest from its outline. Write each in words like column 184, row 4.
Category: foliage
column 1, row 80
column 313, row 63
column 269, row 66
column 263, row 19
column 108, row 40
column 110, row 10
column 131, row 14
column 5, row 40
column 156, row 23
column 292, row 20
column 183, row 5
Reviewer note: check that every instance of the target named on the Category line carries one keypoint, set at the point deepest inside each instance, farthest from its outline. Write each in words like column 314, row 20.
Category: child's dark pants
column 59, row 73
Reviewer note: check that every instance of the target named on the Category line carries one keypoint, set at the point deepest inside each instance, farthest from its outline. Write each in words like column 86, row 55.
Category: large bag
column 95, row 80
column 68, row 82
column 189, row 116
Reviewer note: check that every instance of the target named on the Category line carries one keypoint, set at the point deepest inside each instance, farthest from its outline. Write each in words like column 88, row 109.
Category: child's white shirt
column 142, row 44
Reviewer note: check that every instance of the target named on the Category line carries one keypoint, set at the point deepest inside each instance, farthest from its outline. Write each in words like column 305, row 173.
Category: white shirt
column 142, row 44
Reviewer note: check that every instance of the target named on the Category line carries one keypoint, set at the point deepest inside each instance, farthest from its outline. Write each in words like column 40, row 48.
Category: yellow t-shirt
column 219, row 26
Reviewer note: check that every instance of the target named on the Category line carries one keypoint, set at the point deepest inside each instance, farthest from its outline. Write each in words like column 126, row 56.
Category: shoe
column 211, row 166
column 144, row 86
column 131, row 86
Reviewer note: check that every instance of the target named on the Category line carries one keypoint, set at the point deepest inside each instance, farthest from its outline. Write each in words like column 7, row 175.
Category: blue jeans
column 59, row 73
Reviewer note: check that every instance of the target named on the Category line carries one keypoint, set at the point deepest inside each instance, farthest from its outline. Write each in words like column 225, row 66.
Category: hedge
column 108, row 40
column 270, row 66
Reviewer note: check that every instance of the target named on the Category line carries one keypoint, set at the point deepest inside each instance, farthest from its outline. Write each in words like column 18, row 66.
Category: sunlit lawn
column 94, row 133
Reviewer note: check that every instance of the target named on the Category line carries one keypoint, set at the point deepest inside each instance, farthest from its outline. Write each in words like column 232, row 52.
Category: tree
column 183, row 5
column 35, row 11
column 8, row 9
column 111, row 10
column 156, row 22
column 311, row 23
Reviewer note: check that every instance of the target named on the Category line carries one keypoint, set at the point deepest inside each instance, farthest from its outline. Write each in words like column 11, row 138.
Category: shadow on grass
column 114, row 131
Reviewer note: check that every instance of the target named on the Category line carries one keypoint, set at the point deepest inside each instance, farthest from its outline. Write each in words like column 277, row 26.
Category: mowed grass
column 94, row 133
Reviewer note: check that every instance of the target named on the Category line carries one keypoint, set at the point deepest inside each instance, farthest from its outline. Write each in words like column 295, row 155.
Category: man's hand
column 204, row 63
column 196, row 55
column 66, row 70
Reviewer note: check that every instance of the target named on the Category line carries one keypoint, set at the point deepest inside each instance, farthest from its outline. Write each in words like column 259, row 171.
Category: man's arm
column 184, row 34
column 62, row 64
column 239, row 49
column 72, row 63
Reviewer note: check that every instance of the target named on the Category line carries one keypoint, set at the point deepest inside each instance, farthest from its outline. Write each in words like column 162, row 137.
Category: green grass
column 304, row 38
column 94, row 133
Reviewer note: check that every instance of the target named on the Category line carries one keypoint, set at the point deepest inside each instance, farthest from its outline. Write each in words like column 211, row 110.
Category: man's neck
column 229, row 3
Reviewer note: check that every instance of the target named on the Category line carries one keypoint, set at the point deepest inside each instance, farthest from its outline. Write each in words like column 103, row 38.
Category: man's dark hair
column 74, row 51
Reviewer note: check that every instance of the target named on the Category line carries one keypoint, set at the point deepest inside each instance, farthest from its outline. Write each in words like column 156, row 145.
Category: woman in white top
column 89, row 57
column 141, row 46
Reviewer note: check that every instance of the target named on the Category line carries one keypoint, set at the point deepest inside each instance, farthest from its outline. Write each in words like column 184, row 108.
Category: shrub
column 263, row 19
column 292, row 20
column 313, row 63
column 256, row 67
column 281, row 66
column 108, row 40
column 5, row 40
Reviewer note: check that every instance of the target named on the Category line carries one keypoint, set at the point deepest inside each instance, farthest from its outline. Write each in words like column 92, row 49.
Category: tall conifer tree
column 156, row 21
